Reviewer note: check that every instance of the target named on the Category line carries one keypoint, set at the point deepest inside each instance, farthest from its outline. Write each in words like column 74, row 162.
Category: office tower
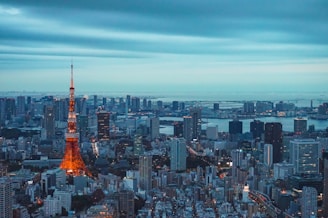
column 103, row 125
column 178, row 154
column 154, row 127
column 273, row 135
column 126, row 203
column 149, row 105
column 2, row 110
column 6, row 203
column 104, row 102
column 309, row 202
column 144, row 104
column 196, row 114
column 304, row 156
column 216, row 106
column 49, row 121
column 61, row 106
column 82, row 126
column 135, row 105
column 145, row 169
column 187, row 128
column 72, row 161
column 159, row 105
column 212, row 132
column 263, row 106
column 128, row 101
column 10, row 108
column 138, row 148
column 175, row 105
column 80, row 106
column 300, row 125
column 178, row 129
column 325, row 188
column 20, row 110
column 235, row 127
column 268, row 155
column 237, row 157
column 282, row 170
column 249, row 107
column 257, row 128
column 95, row 101
column 182, row 106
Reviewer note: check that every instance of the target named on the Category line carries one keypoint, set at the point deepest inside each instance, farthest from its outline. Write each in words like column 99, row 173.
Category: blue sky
column 164, row 45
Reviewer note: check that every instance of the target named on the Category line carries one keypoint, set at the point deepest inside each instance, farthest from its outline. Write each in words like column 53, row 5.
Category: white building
column 304, row 156
column 309, row 202
column 178, row 154
column 282, row 170
column 268, row 155
column 65, row 199
column 5, row 198
column 51, row 206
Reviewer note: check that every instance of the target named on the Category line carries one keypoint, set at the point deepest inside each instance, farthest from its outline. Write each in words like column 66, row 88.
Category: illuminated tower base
column 72, row 162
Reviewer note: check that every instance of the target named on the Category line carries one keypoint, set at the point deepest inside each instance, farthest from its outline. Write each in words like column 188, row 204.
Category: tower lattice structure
column 72, row 162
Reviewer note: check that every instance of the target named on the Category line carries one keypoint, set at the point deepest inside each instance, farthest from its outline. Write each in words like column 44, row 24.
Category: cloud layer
column 152, row 42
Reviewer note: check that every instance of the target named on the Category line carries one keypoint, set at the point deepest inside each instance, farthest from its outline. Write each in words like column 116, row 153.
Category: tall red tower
column 72, row 162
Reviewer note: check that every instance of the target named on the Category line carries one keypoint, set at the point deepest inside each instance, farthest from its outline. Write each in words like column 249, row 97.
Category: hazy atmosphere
column 164, row 45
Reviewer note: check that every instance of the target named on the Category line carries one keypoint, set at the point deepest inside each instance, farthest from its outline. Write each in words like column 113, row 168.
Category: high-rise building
column 300, row 125
column 178, row 129
column 82, row 126
column 304, row 156
column 49, row 121
column 145, row 169
column 309, row 202
column 159, row 105
column 144, row 104
column 72, row 161
column 187, row 128
column 235, row 127
column 268, row 155
column 95, row 101
column 196, row 114
column 154, row 127
column 249, row 107
column 325, row 188
column 257, row 128
column 126, row 203
column 178, row 154
column 10, row 108
column 20, row 109
column 135, row 105
column 2, row 110
column 103, row 125
column 6, row 203
column 273, row 135
column 128, row 101
column 237, row 157
column 175, row 105
column 263, row 106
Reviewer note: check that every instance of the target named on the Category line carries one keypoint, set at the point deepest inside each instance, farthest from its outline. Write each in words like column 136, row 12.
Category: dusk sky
column 161, row 45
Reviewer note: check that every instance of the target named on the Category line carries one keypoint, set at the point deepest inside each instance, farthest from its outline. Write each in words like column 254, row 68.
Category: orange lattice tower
column 72, row 162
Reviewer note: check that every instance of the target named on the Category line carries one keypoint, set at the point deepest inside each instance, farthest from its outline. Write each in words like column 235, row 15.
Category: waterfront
column 223, row 124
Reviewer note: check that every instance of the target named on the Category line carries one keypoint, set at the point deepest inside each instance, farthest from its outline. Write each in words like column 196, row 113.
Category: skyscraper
column 257, row 128
column 325, row 188
column 235, row 127
column 249, row 107
column 273, row 135
column 49, row 121
column 178, row 129
column 304, row 156
column 103, row 125
column 187, row 128
column 20, row 109
column 126, row 203
column 154, row 127
column 300, row 125
column 6, row 210
column 72, row 161
column 268, row 155
column 145, row 169
column 309, row 202
column 196, row 114
column 178, row 154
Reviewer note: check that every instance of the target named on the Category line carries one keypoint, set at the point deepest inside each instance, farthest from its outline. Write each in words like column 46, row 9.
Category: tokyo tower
column 72, row 162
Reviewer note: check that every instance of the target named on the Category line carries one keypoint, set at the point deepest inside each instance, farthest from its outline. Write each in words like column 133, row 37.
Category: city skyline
column 177, row 45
